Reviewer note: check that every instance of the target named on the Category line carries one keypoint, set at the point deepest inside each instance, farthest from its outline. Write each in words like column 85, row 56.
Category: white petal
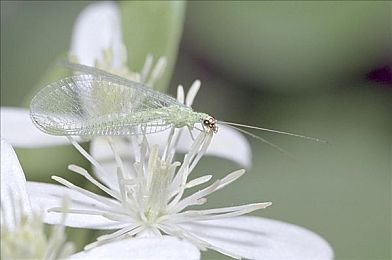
column 260, row 238
column 14, row 198
column 97, row 28
column 143, row 248
column 45, row 196
column 18, row 129
column 232, row 145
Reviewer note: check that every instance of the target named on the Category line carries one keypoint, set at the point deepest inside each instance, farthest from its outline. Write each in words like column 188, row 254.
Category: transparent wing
column 88, row 105
column 83, row 69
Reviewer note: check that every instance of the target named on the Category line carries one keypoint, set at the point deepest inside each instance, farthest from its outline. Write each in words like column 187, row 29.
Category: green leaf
column 152, row 27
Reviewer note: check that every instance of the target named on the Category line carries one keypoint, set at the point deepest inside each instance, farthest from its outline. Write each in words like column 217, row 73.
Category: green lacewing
column 96, row 102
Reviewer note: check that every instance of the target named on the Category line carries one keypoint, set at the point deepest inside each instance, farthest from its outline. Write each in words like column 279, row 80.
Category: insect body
column 99, row 103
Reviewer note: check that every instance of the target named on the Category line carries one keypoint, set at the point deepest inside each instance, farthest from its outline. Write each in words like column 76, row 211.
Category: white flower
column 141, row 204
column 147, row 199
column 22, row 230
column 22, row 234
column 151, row 200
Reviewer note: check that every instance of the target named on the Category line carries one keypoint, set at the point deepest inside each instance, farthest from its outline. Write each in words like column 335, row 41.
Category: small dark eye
column 206, row 122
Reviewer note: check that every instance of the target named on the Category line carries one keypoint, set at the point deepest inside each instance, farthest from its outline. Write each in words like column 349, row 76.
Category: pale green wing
column 88, row 105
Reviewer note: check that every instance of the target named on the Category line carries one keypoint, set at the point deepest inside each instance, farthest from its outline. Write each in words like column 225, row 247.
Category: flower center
column 150, row 192
column 159, row 176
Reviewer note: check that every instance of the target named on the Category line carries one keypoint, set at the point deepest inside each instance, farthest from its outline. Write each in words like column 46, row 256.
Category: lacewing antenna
column 237, row 127
column 280, row 149
column 271, row 131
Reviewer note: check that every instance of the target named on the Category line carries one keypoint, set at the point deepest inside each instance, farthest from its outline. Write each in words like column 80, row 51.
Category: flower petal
column 97, row 28
column 14, row 198
column 232, row 145
column 45, row 196
column 143, row 248
column 18, row 129
column 260, row 238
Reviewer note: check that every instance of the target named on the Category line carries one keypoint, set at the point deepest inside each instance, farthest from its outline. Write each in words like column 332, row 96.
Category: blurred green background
column 303, row 67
